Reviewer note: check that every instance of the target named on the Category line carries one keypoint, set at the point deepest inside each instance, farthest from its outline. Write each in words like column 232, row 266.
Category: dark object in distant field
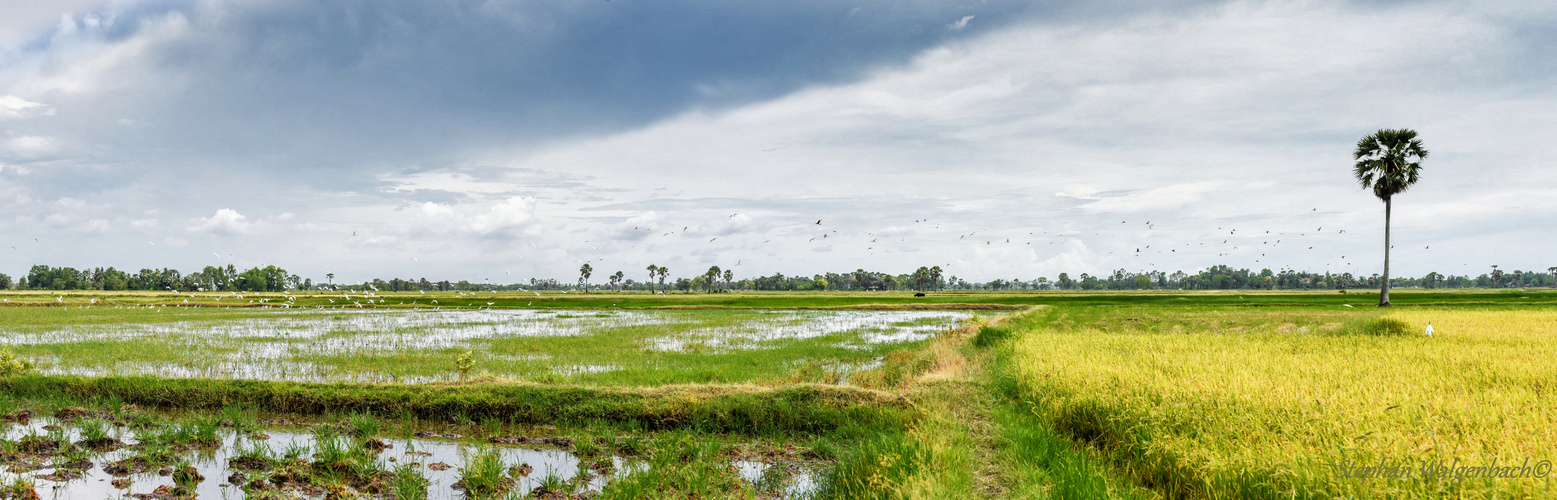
column 920, row 294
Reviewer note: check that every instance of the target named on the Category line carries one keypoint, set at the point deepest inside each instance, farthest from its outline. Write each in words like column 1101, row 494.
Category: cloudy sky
column 509, row 139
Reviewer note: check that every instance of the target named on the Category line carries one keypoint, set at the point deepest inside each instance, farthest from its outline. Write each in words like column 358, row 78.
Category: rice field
column 129, row 452
column 609, row 347
column 1300, row 402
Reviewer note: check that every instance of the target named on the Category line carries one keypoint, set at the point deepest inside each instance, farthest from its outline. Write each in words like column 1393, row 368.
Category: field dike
column 742, row 409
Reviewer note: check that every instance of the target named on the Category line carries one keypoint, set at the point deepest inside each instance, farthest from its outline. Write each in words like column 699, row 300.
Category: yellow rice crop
column 1272, row 413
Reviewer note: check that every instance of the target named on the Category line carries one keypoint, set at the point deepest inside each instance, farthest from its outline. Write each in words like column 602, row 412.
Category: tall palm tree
column 712, row 277
column 583, row 277
column 1388, row 162
column 653, row 271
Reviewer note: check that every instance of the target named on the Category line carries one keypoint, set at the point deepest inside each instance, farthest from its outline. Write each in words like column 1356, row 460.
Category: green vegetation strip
column 789, row 410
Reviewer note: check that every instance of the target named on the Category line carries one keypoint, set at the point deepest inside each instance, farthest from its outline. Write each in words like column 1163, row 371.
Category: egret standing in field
column 1429, row 329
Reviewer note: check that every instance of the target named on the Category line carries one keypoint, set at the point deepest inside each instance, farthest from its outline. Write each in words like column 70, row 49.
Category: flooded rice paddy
column 611, row 346
column 103, row 455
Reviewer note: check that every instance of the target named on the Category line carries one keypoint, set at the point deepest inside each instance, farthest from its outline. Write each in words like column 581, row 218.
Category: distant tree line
column 715, row 279
column 1223, row 277
column 212, row 278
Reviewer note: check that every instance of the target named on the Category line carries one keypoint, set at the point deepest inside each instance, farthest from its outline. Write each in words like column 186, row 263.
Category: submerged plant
column 92, row 429
column 408, row 483
column 363, row 425
column 484, row 474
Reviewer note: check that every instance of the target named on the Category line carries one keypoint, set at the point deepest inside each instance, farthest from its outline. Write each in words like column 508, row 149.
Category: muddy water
column 212, row 463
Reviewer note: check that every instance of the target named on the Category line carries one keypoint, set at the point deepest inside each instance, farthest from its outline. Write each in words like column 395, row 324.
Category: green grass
column 788, row 410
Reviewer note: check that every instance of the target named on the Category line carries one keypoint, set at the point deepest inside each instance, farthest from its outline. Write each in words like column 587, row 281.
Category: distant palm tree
column 583, row 277
column 653, row 271
column 712, row 278
column 729, row 276
column 1388, row 162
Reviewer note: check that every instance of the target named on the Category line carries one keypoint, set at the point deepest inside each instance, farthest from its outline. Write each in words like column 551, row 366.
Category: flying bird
column 819, row 222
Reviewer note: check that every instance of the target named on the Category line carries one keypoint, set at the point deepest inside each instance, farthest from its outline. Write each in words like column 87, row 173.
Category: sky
column 505, row 140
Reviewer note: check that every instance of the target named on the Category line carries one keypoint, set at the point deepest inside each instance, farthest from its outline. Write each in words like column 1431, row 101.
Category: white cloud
column 31, row 146
column 453, row 182
column 512, row 213
column 225, row 222
column 960, row 23
column 144, row 224
column 1158, row 200
column 509, row 217
column 13, row 107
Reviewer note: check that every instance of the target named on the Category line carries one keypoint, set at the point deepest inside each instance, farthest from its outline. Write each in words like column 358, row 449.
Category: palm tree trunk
column 1384, row 291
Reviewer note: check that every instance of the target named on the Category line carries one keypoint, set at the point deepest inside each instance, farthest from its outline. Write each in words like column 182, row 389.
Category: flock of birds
column 1250, row 247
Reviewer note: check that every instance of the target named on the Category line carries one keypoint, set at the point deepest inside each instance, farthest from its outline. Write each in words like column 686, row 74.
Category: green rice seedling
column 553, row 483
column 92, row 429
column 631, row 445
column 295, row 451
column 156, row 453
column 145, row 420
column 408, row 483
column 493, row 426
column 254, row 454
column 363, row 425
column 691, row 464
column 774, row 479
column 332, row 453
column 241, row 420
column 324, row 433
column 59, row 435
column 484, row 474
column 585, row 446
column 186, row 477
column 205, row 430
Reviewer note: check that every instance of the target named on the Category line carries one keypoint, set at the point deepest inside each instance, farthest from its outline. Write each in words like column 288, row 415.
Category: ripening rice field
column 1299, row 402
